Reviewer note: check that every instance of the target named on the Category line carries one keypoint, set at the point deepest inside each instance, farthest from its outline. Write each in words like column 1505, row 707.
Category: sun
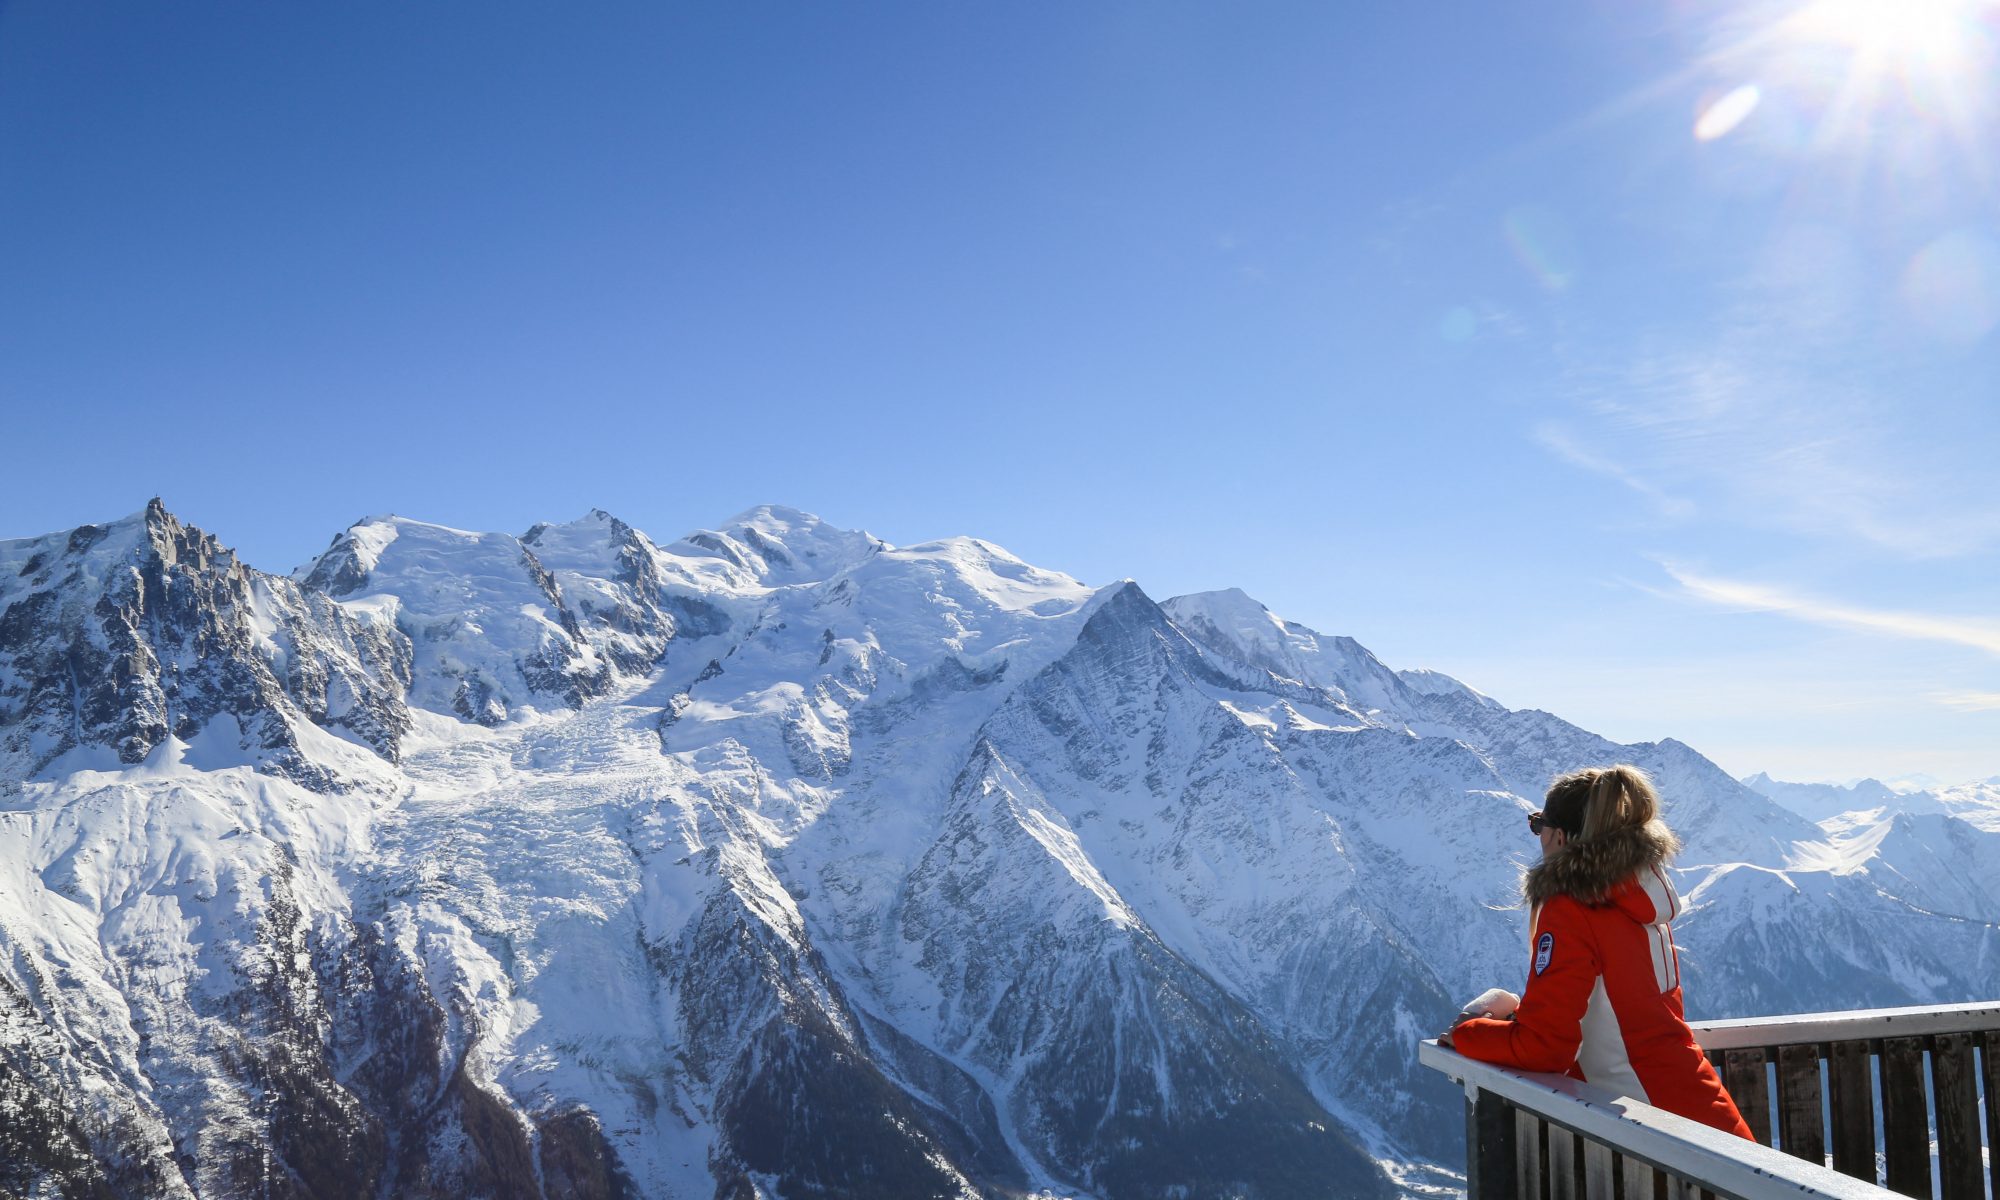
column 1906, row 84
column 1936, row 32
column 1935, row 39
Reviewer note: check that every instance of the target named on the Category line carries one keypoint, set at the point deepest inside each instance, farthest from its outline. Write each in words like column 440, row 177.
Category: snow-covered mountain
column 1976, row 803
column 780, row 861
column 1817, row 801
column 1839, row 807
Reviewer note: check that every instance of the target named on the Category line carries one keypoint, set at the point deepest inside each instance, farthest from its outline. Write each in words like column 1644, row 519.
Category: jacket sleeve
column 1547, row 1029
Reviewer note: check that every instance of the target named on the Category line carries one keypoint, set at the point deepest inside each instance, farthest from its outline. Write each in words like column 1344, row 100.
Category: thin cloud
column 1969, row 701
column 1748, row 431
column 1499, row 321
column 1756, row 597
column 1555, row 439
column 1781, row 411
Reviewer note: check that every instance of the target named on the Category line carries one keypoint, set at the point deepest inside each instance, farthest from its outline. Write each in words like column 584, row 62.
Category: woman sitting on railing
column 1603, row 1000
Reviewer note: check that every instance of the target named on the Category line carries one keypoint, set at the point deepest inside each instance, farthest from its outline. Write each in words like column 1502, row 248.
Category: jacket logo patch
column 1545, row 949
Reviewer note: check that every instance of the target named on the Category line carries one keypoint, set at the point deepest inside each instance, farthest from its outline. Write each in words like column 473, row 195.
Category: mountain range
column 780, row 861
column 1869, row 799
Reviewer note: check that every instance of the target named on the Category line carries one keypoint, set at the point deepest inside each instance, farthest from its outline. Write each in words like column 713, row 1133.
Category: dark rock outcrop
column 122, row 636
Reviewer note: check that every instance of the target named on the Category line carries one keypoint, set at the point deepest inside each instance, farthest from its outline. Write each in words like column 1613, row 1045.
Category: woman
column 1603, row 1001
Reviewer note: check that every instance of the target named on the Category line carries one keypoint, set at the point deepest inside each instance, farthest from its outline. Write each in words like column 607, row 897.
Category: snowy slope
column 490, row 626
column 1976, row 803
column 777, row 860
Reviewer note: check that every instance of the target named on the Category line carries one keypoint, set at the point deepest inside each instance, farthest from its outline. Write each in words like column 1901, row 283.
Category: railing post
column 1743, row 1075
column 1906, row 1126
column 1531, row 1139
column 1489, row 1146
column 1955, row 1095
column 1852, row 1081
column 1989, row 1058
column 1600, row 1175
column 1799, row 1123
column 1565, row 1164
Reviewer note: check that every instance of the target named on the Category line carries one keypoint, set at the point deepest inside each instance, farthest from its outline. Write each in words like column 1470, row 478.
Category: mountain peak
column 1437, row 683
column 799, row 532
column 84, row 555
column 777, row 545
column 595, row 523
column 1232, row 600
column 774, row 516
column 147, row 629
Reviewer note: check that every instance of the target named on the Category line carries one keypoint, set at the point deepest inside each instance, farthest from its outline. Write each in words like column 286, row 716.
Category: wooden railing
column 1550, row 1137
column 1809, row 1085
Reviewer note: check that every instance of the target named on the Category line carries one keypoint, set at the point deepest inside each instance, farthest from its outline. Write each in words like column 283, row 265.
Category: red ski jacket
column 1603, row 1003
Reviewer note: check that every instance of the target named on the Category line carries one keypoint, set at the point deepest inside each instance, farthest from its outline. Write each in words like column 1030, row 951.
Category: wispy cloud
column 1562, row 444
column 1969, row 701
column 1782, row 411
column 1757, row 597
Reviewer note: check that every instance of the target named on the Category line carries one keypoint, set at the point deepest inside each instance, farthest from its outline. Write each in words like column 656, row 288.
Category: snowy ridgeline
column 780, row 861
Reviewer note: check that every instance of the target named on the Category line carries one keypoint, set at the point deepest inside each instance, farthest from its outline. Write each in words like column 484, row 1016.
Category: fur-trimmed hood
column 1588, row 870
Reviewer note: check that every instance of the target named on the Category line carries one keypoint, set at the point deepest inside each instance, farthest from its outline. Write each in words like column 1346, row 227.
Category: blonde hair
column 1598, row 800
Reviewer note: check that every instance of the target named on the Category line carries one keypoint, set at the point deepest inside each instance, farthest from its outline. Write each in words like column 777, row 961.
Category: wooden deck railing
column 1862, row 1087
column 1809, row 1085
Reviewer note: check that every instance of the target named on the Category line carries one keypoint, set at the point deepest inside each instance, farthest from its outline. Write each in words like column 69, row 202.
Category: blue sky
column 1634, row 361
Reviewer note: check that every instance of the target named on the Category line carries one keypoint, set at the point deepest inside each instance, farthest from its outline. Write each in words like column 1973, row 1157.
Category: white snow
column 913, row 770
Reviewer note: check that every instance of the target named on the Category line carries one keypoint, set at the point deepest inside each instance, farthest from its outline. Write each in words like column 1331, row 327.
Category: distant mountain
column 1976, row 803
column 1818, row 801
column 1840, row 807
column 776, row 860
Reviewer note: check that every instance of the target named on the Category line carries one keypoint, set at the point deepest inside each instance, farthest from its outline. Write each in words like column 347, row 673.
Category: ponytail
column 1621, row 797
column 1596, row 801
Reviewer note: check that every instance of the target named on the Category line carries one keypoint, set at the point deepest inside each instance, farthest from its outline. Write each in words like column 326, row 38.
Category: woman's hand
column 1495, row 1003
column 1498, row 1003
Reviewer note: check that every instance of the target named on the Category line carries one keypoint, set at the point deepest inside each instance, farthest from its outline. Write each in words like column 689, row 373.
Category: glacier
column 777, row 860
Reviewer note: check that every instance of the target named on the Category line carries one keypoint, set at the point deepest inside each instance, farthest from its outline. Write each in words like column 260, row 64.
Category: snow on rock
column 778, row 860
column 771, row 546
column 490, row 628
column 117, row 637
column 1239, row 627
column 1977, row 803
column 1437, row 683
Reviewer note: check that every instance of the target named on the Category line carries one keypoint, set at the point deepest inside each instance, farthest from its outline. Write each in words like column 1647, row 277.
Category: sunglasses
column 1535, row 822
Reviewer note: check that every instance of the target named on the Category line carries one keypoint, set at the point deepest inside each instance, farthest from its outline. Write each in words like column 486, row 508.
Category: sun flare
column 1934, row 31
column 1906, row 85
column 1905, row 37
